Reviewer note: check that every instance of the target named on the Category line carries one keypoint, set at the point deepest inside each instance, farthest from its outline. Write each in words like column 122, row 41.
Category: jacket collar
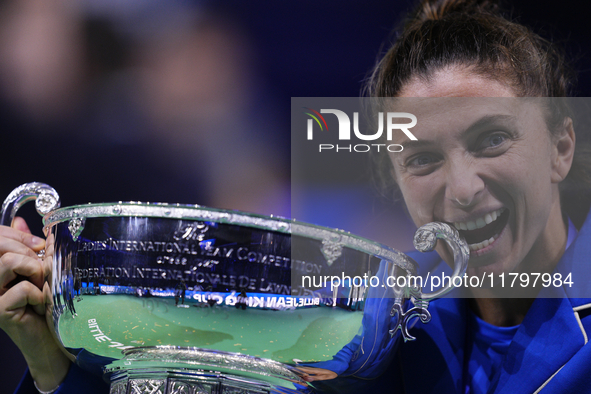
column 547, row 339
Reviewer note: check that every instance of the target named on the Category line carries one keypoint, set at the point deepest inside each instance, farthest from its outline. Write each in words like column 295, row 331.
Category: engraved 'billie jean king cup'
column 183, row 299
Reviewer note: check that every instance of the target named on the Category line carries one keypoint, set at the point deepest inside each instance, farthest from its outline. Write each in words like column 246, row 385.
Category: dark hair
column 442, row 33
column 478, row 34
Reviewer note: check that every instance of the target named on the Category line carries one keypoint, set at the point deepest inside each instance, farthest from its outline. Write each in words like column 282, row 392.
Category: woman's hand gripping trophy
column 22, row 305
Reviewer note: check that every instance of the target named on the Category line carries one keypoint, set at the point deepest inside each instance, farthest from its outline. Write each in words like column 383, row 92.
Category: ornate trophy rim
column 233, row 217
column 178, row 368
column 205, row 358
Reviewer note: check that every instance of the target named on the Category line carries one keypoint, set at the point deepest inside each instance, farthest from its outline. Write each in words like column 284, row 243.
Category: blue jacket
column 77, row 381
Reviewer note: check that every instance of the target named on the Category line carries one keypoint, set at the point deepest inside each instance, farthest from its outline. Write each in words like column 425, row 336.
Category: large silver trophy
column 178, row 299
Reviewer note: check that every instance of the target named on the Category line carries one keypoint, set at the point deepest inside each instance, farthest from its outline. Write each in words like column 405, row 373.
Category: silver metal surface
column 425, row 240
column 46, row 200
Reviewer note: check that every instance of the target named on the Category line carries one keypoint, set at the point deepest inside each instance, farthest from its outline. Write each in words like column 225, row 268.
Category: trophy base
column 172, row 370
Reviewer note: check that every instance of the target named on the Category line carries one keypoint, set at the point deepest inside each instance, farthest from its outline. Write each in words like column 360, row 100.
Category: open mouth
column 483, row 231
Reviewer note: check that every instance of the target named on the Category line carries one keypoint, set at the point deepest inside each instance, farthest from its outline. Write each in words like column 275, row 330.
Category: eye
column 492, row 141
column 422, row 160
column 422, row 164
column 493, row 144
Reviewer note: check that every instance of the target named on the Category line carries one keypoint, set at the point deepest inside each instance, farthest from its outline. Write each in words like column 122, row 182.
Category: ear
column 563, row 151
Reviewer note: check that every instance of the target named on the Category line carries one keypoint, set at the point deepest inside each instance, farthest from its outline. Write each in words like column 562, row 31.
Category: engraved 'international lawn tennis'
column 309, row 335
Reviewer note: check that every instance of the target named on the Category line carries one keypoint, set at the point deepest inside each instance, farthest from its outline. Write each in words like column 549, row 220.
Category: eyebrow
column 490, row 119
column 417, row 144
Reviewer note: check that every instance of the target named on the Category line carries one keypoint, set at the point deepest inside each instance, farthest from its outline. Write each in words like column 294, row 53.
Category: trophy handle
column 425, row 240
column 45, row 196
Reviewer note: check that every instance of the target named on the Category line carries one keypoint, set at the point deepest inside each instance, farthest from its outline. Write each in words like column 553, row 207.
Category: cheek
column 530, row 175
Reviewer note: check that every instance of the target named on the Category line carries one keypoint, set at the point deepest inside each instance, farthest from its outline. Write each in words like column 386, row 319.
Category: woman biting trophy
column 496, row 159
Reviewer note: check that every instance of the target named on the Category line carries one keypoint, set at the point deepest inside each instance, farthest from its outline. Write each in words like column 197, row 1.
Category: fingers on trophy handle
column 425, row 240
column 46, row 200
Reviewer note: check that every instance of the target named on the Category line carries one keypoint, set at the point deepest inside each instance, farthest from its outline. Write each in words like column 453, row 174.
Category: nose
column 464, row 187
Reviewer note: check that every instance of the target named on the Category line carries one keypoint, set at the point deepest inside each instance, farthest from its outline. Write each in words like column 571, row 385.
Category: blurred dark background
column 188, row 101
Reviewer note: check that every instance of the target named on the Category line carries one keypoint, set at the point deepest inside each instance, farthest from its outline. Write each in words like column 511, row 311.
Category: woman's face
column 484, row 162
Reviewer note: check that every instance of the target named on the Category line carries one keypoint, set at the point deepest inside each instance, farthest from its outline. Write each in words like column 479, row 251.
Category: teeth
column 480, row 222
column 460, row 226
column 481, row 245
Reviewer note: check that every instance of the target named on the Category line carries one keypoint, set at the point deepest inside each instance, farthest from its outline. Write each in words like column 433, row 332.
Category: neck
column 501, row 312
